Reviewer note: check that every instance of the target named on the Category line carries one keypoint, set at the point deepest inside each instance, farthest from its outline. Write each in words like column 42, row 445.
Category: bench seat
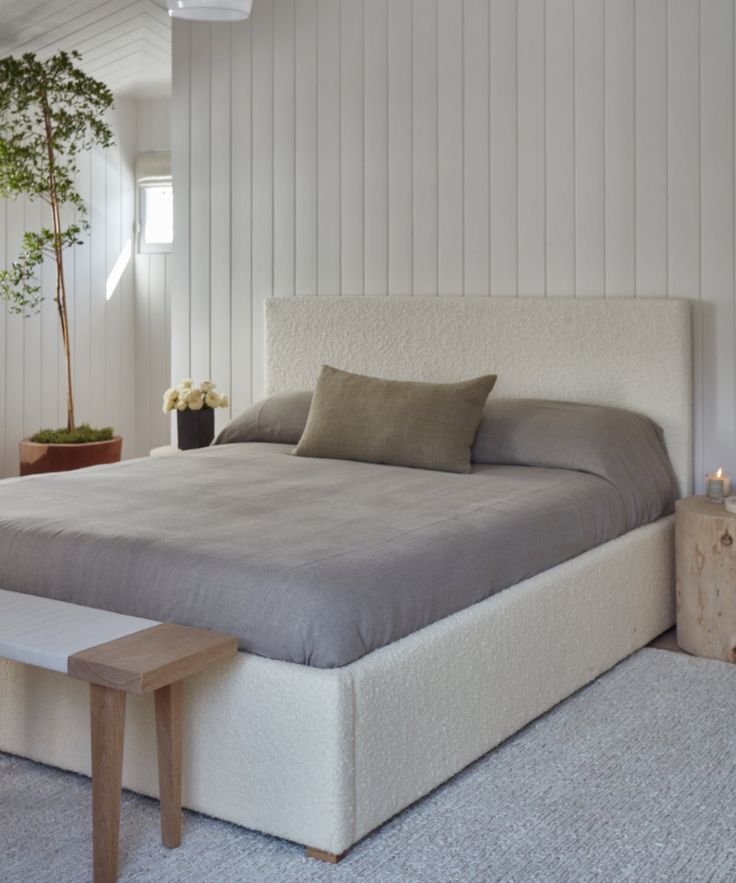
column 116, row 654
column 45, row 633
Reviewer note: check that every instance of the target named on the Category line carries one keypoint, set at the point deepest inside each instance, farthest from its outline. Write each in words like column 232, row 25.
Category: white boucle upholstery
column 631, row 353
column 446, row 695
column 268, row 745
column 322, row 757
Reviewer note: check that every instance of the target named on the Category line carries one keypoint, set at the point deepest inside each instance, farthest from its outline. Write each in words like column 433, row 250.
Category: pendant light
column 210, row 10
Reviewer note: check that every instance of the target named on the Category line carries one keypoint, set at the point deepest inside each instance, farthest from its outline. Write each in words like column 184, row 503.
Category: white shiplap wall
column 567, row 147
column 153, row 274
column 110, row 341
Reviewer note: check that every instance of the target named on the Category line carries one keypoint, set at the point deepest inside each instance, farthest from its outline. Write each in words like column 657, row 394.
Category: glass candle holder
column 717, row 486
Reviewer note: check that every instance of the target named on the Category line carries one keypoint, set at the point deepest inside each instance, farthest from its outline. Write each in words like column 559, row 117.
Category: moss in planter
column 82, row 435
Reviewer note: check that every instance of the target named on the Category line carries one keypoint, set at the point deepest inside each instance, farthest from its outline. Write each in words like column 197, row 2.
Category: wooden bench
column 117, row 655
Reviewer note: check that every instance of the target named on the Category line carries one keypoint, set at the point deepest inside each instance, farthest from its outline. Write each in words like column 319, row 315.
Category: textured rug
column 632, row 779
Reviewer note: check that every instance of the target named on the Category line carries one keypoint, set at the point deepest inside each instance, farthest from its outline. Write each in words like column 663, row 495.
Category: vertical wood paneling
column 240, row 379
column 477, row 140
column 200, row 190
column 305, row 147
column 424, row 143
column 352, row 171
column 450, row 126
column 284, row 153
column 503, row 160
column 113, row 309
column 152, row 283
column 143, row 335
column 376, row 148
column 154, row 124
column 328, row 147
column 181, row 163
column 400, row 149
column 82, row 257
column 589, row 149
column 32, row 343
column 620, row 165
column 651, row 147
column 717, row 229
column 98, row 304
column 262, row 181
column 51, row 362
column 560, row 131
column 126, row 411
column 168, row 285
column 467, row 147
column 683, row 183
column 683, row 186
column 157, row 342
column 14, row 363
column 220, row 195
column 66, row 217
column 531, row 147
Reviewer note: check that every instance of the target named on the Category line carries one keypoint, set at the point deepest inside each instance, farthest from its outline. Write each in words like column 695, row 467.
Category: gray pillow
column 397, row 422
column 624, row 447
column 280, row 418
column 621, row 446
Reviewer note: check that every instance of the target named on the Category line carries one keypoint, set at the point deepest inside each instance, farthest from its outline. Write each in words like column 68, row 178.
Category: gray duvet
column 309, row 561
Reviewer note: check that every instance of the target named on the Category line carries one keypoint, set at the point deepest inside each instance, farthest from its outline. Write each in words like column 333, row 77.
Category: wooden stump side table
column 705, row 544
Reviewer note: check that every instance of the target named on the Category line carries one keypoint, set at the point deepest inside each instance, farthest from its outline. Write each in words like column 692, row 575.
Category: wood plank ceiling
column 124, row 43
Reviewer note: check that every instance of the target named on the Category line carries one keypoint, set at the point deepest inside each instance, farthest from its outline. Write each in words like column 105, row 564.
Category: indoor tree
column 50, row 111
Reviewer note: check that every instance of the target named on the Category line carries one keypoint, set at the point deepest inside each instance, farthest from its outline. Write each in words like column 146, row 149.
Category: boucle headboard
column 624, row 352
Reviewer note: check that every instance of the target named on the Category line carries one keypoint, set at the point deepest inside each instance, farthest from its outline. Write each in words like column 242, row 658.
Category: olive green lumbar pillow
column 397, row 422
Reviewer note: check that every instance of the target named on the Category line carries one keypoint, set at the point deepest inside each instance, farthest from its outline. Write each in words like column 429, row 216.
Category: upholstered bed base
column 322, row 757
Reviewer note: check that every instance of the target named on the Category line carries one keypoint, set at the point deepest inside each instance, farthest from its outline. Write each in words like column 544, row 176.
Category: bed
column 293, row 748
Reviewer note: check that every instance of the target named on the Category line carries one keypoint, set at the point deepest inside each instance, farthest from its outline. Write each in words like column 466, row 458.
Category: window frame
column 152, row 170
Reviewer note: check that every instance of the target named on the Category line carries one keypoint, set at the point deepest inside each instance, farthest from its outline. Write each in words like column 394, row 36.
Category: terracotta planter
column 35, row 457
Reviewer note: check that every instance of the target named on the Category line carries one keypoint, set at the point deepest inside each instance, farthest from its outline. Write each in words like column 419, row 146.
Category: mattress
column 316, row 562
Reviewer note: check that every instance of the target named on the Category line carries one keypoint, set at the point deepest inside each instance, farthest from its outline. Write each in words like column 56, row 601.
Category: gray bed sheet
column 311, row 561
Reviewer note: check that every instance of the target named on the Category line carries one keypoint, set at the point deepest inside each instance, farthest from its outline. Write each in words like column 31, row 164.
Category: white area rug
column 632, row 779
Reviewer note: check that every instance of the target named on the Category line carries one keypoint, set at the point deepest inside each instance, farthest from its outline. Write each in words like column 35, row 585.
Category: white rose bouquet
column 185, row 396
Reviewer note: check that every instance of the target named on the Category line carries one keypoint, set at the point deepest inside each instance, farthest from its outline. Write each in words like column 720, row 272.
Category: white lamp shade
column 210, row 10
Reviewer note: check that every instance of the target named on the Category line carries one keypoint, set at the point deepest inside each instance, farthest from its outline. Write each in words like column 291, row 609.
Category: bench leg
column 168, row 738
column 107, row 714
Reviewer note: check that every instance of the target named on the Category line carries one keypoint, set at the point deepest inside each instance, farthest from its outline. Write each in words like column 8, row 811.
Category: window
column 155, row 202
column 157, row 214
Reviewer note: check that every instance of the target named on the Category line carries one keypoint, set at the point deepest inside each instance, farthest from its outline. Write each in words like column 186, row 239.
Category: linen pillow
column 625, row 448
column 280, row 418
column 397, row 422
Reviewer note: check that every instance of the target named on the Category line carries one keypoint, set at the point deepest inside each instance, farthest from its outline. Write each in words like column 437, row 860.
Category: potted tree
column 50, row 111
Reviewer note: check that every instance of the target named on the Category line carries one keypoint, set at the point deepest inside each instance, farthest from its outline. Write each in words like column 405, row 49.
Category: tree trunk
column 60, row 286
column 64, row 320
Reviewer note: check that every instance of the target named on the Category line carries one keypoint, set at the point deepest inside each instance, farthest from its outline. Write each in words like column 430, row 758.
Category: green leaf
column 50, row 111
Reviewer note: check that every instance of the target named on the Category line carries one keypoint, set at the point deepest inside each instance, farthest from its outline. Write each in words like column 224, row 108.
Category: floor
column 630, row 780
column 667, row 641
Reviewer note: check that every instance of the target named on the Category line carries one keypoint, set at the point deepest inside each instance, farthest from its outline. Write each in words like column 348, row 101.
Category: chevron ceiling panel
column 124, row 43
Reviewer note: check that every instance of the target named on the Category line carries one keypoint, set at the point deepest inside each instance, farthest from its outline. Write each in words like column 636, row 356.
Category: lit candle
column 717, row 486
